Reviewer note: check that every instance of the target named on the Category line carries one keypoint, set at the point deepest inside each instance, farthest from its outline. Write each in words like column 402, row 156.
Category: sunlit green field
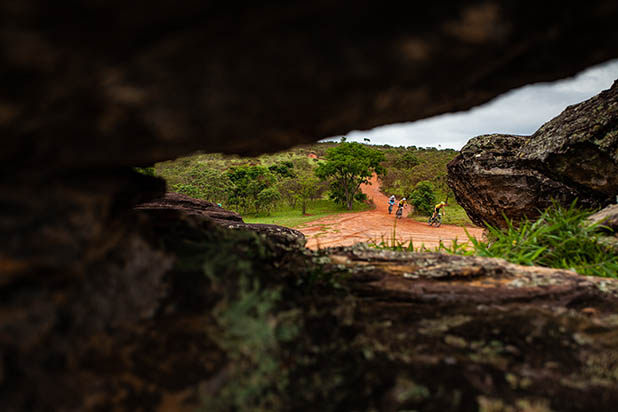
column 315, row 210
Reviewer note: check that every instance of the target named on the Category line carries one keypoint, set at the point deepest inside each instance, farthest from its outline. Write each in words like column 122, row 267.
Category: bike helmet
column 403, row 198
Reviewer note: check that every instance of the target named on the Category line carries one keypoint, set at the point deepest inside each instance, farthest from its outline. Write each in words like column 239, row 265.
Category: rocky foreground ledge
column 176, row 202
column 231, row 320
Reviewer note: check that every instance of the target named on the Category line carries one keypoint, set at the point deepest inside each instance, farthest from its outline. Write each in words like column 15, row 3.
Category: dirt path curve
column 349, row 228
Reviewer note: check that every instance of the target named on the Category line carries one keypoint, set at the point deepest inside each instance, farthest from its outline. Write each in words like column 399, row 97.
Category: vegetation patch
column 560, row 238
column 347, row 166
column 292, row 218
column 308, row 182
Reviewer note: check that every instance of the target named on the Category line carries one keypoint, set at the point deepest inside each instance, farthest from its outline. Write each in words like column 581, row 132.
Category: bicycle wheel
column 438, row 220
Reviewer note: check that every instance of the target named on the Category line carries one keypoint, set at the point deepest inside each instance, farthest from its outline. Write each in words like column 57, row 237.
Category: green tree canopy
column 266, row 199
column 248, row 182
column 282, row 169
column 423, row 198
column 308, row 188
column 407, row 161
column 347, row 166
column 203, row 183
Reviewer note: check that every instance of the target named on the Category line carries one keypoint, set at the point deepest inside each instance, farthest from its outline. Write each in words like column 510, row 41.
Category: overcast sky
column 521, row 111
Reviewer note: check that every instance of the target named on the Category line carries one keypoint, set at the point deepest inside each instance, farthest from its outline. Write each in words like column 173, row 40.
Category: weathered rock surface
column 607, row 217
column 81, row 104
column 67, row 220
column 574, row 156
column 190, row 206
column 104, row 307
column 489, row 179
column 580, row 146
column 174, row 78
column 228, row 320
column 176, row 202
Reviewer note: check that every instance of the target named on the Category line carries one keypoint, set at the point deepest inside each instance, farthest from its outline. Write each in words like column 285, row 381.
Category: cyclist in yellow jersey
column 436, row 210
column 400, row 206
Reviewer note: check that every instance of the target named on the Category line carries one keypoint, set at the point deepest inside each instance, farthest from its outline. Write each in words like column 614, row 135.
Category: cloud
column 521, row 111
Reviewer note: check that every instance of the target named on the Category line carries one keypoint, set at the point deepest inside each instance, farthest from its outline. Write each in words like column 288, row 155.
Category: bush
column 200, row 182
column 423, row 198
column 148, row 171
column 247, row 183
column 561, row 238
column 266, row 199
column 187, row 189
column 407, row 161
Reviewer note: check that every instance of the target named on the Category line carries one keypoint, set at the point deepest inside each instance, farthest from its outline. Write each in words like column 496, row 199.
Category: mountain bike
column 437, row 220
column 390, row 208
column 399, row 212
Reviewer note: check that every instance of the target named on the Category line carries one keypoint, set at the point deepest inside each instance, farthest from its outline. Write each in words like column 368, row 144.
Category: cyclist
column 436, row 210
column 400, row 206
column 391, row 203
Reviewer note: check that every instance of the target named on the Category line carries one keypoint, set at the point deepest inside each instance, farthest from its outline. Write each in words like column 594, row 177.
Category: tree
column 308, row 188
column 248, row 182
column 283, row 169
column 423, row 198
column 348, row 165
column 266, row 199
column 289, row 189
column 187, row 189
column 203, row 183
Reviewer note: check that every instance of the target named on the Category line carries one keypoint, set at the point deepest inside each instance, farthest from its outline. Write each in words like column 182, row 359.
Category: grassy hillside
column 406, row 167
column 402, row 175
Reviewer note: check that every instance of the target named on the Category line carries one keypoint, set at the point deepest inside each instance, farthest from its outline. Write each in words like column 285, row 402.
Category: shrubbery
column 423, row 198
column 560, row 238
column 407, row 161
column 252, row 187
column 406, row 167
column 255, row 185
column 148, row 171
column 266, row 199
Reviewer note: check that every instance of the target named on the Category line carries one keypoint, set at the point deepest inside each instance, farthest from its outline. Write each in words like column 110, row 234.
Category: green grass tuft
column 560, row 238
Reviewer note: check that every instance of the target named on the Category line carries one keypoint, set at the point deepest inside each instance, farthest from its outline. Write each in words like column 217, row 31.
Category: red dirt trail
column 349, row 228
